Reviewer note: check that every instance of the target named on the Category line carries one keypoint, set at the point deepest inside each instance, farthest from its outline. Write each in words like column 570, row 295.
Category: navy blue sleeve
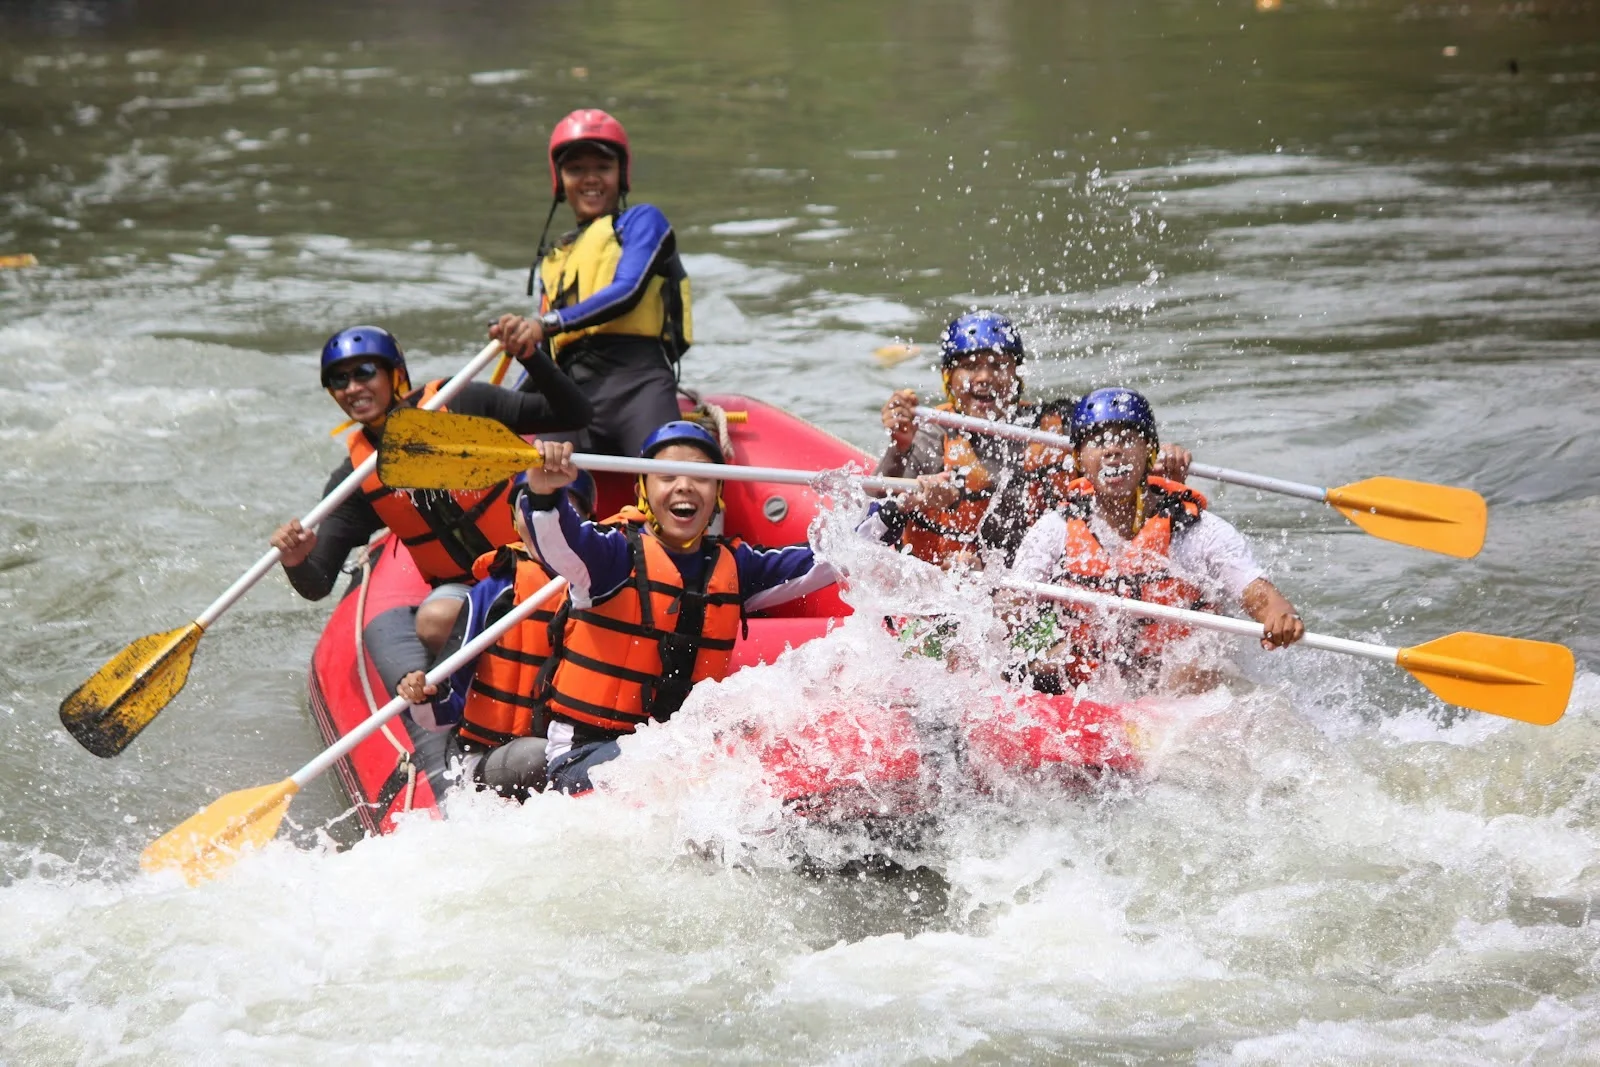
column 770, row 576
column 646, row 237
column 594, row 559
column 448, row 708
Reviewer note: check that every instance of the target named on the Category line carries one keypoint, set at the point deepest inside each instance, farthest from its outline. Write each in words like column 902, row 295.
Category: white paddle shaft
column 1056, row 440
column 342, row 491
column 1203, row 619
column 727, row 472
column 462, row 656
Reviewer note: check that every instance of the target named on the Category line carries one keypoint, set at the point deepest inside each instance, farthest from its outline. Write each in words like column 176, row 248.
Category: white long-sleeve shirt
column 1211, row 552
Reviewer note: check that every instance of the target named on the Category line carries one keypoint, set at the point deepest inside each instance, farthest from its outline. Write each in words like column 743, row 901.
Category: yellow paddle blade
column 440, row 450
column 894, row 355
column 107, row 712
column 1527, row 680
column 1439, row 518
column 21, row 259
column 205, row 844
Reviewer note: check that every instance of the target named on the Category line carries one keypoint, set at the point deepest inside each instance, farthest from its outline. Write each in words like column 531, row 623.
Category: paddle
column 1527, row 680
column 205, row 843
column 20, row 259
column 1439, row 518
column 439, row 450
column 894, row 355
column 107, row 712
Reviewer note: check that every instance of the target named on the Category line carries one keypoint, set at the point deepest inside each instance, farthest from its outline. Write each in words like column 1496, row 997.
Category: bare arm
column 1273, row 611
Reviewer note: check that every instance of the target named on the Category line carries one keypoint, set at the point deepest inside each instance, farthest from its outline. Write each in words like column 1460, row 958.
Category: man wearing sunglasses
column 365, row 372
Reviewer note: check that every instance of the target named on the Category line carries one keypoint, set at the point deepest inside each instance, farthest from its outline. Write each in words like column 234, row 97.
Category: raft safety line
column 364, row 562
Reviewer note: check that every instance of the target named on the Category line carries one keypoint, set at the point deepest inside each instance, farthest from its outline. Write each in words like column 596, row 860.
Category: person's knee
column 516, row 768
column 391, row 640
column 570, row 773
column 435, row 620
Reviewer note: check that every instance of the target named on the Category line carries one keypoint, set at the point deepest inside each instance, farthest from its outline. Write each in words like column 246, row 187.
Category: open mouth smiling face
column 984, row 384
column 683, row 507
column 366, row 391
column 1115, row 461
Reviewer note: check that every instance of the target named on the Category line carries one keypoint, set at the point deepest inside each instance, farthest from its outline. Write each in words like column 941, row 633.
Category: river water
column 1330, row 240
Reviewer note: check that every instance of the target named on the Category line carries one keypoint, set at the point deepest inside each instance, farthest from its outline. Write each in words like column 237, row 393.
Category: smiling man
column 612, row 297
column 1123, row 530
column 979, row 492
column 364, row 371
column 655, row 602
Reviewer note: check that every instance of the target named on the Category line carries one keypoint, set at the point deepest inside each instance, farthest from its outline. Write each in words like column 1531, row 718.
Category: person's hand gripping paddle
column 205, row 843
column 1510, row 676
column 108, row 711
column 441, row 450
column 1439, row 518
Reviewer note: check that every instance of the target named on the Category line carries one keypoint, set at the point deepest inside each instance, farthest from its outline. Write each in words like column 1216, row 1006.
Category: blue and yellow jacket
column 618, row 275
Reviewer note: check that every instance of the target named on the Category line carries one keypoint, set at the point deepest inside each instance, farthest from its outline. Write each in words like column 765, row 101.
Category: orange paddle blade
column 205, row 844
column 1440, row 518
column 893, row 355
column 108, row 711
column 20, row 259
column 1510, row 676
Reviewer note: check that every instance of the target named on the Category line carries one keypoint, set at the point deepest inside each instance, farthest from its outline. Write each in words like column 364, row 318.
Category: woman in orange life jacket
column 490, row 703
column 1125, row 531
column 611, row 298
column 978, row 491
column 655, row 603
column 365, row 372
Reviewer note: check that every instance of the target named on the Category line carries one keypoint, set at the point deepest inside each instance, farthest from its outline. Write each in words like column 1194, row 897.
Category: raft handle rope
column 363, row 563
column 706, row 411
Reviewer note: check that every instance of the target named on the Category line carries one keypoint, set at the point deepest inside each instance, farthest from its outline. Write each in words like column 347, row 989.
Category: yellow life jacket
column 576, row 269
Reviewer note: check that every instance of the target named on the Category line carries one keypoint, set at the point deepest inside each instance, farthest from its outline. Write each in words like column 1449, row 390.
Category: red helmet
column 587, row 124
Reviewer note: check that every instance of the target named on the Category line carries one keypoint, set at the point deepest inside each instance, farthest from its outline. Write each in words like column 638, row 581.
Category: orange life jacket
column 1048, row 470
column 500, row 701
column 1140, row 571
column 445, row 531
column 609, row 668
column 936, row 536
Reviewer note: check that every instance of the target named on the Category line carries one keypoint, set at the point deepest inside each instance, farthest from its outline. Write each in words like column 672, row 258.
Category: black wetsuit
column 632, row 384
column 549, row 402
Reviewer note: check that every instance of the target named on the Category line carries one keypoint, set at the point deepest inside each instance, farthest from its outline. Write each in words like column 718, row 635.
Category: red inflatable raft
column 821, row 770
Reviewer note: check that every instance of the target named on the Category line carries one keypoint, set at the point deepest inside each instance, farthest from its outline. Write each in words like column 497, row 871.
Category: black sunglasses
column 361, row 372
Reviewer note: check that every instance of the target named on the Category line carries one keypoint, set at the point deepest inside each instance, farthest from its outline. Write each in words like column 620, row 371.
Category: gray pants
column 396, row 651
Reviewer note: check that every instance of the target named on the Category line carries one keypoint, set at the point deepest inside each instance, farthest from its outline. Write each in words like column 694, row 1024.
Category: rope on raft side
column 706, row 411
column 364, row 562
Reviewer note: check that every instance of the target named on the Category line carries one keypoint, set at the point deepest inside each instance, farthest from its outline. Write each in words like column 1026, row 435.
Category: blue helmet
column 582, row 488
column 682, row 432
column 1114, row 407
column 373, row 342
column 979, row 331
